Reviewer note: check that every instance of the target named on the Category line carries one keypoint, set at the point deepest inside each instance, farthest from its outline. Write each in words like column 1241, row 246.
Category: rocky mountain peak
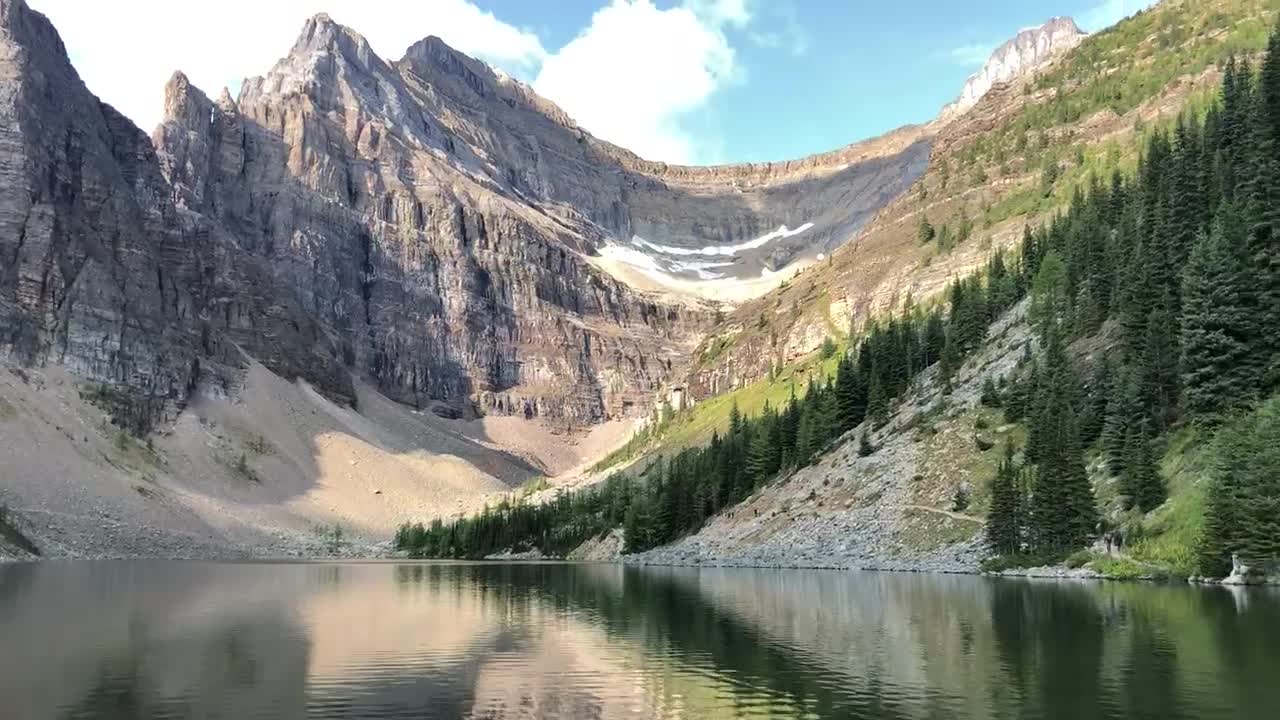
column 1021, row 55
column 180, row 96
column 431, row 56
column 325, row 56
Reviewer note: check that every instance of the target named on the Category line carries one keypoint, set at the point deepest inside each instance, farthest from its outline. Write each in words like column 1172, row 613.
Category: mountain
column 426, row 223
column 1014, row 157
column 368, row 263
column 1020, row 56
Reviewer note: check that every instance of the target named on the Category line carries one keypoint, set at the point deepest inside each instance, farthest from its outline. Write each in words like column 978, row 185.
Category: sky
column 683, row 81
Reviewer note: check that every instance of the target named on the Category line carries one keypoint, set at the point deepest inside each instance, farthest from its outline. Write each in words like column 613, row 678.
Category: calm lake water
column 380, row 640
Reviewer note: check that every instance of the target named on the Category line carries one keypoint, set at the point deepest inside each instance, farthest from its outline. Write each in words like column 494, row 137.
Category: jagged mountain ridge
column 148, row 268
column 1019, row 56
column 492, row 127
column 427, row 223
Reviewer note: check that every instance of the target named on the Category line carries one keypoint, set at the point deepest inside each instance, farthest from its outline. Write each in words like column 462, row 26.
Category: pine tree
column 1124, row 412
column 1243, row 515
column 1220, row 370
column 851, row 394
column 789, row 425
column 761, row 451
column 735, row 419
column 877, row 401
column 1063, row 511
column 925, row 233
column 1002, row 530
column 1158, row 365
column 1141, row 482
column 1094, row 414
column 865, row 447
column 805, row 445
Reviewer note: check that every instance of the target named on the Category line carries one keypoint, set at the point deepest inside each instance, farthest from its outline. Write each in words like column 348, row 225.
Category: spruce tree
column 805, row 445
column 1141, row 483
column 877, row 401
column 865, row 447
column 1002, row 530
column 1220, row 370
column 762, row 450
column 1243, row 515
column 1158, row 364
column 1063, row 511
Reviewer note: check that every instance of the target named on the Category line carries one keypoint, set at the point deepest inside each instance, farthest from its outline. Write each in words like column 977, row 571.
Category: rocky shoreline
column 661, row 558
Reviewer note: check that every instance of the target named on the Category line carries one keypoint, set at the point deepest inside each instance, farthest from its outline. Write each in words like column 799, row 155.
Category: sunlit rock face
column 426, row 223
column 1020, row 56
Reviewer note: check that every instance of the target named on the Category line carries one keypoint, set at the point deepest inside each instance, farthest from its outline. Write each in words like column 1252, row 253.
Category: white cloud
column 125, row 50
column 637, row 75
column 1109, row 12
column 637, row 71
column 780, row 29
column 721, row 12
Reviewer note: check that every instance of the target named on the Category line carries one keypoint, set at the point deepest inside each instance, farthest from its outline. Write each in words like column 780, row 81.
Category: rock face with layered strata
column 425, row 223
column 1020, row 56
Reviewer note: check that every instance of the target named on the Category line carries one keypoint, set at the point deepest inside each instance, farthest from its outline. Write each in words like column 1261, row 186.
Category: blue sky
column 698, row 81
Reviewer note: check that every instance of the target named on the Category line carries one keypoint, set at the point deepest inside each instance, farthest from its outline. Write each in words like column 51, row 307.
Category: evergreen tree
column 851, row 394
column 865, row 447
column 1140, row 482
column 1159, row 365
column 1243, row 514
column 925, row 233
column 1063, row 511
column 762, row 451
column 1003, row 521
column 877, row 401
column 1220, row 371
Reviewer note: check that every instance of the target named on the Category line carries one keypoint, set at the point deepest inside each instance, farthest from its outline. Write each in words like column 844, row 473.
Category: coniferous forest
column 1175, row 270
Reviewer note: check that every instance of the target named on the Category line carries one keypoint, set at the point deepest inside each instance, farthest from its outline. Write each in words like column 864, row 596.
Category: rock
column 1241, row 573
column 317, row 224
column 1019, row 57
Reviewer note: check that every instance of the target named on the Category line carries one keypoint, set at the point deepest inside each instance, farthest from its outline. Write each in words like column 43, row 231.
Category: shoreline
column 1037, row 573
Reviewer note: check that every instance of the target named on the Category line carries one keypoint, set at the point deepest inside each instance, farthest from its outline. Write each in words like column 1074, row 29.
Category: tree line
column 1177, row 269
column 678, row 494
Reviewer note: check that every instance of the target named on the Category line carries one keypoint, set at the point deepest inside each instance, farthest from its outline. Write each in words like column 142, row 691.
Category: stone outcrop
column 426, row 223
column 315, row 225
column 1026, row 52
column 98, row 271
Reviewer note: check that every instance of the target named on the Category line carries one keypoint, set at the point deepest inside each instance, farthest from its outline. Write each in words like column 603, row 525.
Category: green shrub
column 1078, row 559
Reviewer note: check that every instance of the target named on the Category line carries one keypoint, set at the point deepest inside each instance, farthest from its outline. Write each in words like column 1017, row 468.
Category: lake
column 156, row 639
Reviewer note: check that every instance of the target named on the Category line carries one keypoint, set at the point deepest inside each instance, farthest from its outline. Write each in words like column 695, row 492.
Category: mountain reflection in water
column 155, row 639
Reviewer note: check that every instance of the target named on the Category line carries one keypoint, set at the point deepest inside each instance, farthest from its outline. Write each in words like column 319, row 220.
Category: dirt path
column 948, row 513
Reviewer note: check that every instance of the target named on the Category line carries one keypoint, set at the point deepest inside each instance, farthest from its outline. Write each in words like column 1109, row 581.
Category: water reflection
column 169, row 640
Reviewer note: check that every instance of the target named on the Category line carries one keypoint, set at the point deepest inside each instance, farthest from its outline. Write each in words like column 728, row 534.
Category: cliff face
column 312, row 226
column 97, row 270
column 418, row 269
column 425, row 223
column 1021, row 55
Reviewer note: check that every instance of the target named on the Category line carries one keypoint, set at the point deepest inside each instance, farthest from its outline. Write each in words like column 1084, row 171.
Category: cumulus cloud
column 637, row 75
column 125, row 50
column 779, row 27
column 1109, row 12
column 637, row 71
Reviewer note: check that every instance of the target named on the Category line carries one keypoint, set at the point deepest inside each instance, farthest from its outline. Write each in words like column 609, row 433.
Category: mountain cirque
column 427, row 224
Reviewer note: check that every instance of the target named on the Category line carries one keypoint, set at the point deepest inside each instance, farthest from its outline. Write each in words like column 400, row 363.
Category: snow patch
column 723, row 250
column 701, row 269
column 661, row 267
